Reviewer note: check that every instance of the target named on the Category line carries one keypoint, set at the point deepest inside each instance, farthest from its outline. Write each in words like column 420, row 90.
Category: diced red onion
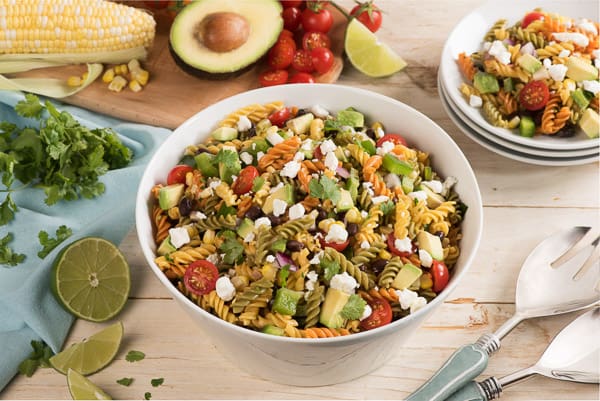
column 342, row 172
column 283, row 259
column 528, row 48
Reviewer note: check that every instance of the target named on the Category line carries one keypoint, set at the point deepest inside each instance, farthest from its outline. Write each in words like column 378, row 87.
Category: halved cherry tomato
column 312, row 40
column 280, row 56
column 322, row 59
column 530, row 17
column 291, row 18
column 392, row 246
column 302, row 61
column 245, row 180
column 289, row 40
column 177, row 174
column 302, row 78
column 381, row 314
column 280, row 116
column 369, row 14
column 291, row 3
column 273, row 77
column 286, row 32
column 200, row 277
column 534, row 95
column 394, row 138
column 320, row 21
column 439, row 275
column 318, row 154
column 338, row 246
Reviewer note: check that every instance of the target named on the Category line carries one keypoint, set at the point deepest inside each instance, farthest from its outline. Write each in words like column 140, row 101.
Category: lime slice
column 92, row 354
column 367, row 54
column 83, row 389
column 91, row 279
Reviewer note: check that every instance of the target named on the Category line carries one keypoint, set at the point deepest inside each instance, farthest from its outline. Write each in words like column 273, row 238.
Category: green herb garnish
column 324, row 188
column 354, row 308
column 126, row 381
column 7, row 255
column 39, row 357
column 147, row 395
column 134, row 356
column 232, row 249
column 330, row 268
column 157, row 382
column 48, row 244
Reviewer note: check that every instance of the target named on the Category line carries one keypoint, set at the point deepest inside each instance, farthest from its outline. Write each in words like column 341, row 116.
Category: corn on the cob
column 86, row 28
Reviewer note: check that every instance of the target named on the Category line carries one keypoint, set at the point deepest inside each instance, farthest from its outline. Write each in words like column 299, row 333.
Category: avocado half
column 224, row 36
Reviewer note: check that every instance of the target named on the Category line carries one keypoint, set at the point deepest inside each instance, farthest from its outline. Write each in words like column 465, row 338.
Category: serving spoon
column 542, row 290
column 573, row 355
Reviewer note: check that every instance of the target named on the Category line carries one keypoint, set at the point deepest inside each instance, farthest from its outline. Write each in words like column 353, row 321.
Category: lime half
column 83, row 389
column 91, row 279
column 367, row 54
column 92, row 354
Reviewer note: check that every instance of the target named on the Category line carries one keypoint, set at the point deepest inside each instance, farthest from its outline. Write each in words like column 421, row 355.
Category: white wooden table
column 522, row 205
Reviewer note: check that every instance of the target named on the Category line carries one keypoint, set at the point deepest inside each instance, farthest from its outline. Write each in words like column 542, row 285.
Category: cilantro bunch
column 60, row 156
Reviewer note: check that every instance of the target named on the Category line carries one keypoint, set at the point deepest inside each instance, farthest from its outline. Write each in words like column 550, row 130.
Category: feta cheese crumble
column 591, row 86
column 577, row 38
column 410, row 300
column 196, row 215
column 557, row 72
column 331, row 161
column 225, row 289
column 262, row 221
column 244, row 124
column 425, row 257
column 366, row 313
column 337, row 233
column 327, row 146
column 344, row 282
column 319, row 111
column 379, row 199
column 403, row 245
column 270, row 258
column 273, row 137
column 290, row 169
column 246, row 157
column 435, row 185
column 475, row 101
column 385, row 148
column 179, row 236
column 279, row 207
column 420, row 195
column 297, row 211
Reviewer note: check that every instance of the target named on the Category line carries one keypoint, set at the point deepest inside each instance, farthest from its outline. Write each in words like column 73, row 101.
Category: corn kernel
column 84, row 76
column 141, row 76
column 426, row 281
column 108, row 75
column 385, row 255
column 135, row 85
column 316, row 128
column 353, row 215
column 117, row 84
column 74, row 81
column 376, row 125
column 134, row 65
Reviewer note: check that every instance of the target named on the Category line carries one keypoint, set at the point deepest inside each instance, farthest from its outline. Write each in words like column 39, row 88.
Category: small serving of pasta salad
column 539, row 76
column 306, row 223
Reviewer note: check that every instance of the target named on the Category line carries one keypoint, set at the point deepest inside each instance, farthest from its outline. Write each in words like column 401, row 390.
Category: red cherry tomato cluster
column 369, row 14
column 303, row 47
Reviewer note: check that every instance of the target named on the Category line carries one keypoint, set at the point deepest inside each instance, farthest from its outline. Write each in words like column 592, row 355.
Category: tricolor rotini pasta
column 306, row 229
column 539, row 75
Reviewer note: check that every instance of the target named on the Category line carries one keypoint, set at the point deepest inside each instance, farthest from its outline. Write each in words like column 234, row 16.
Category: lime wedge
column 83, row 389
column 91, row 280
column 92, row 354
column 367, row 54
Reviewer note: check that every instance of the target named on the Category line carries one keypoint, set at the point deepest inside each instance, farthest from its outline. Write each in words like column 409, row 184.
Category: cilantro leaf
column 134, row 356
column 7, row 210
column 39, row 357
column 126, row 381
column 331, row 125
column 7, row 255
column 147, row 395
column 229, row 158
column 315, row 188
column 232, row 249
column 157, row 382
column 330, row 189
column 354, row 308
column 48, row 244
column 225, row 210
column 330, row 268
column 387, row 207
column 30, row 106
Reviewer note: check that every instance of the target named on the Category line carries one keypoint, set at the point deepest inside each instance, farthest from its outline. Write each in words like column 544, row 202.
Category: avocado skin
column 221, row 76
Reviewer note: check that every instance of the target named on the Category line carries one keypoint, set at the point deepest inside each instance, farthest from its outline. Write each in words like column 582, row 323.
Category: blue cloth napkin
column 28, row 309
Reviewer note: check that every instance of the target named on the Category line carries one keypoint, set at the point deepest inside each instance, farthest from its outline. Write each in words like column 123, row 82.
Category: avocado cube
column 286, row 301
column 300, row 125
column 273, row 330
column 579, row 69
column 396, row 166
column 351, row 118
column 166, row 247
column 206, row 164
column 170, row 195
column 224, row 134
column 246, row 227
column 432, row 244
column 407, row 275
column 485, row 83
column 529, row 63
column 590, row 123
column 345, row 202
column 334, row 302
column 284, row 193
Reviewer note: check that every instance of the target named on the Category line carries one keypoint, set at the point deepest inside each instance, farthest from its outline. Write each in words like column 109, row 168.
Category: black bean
column 253, row 213
column 251, row 132
column 313, row 230
column 378, row 265
column 371, row 133
column 185, row 206
column 201, row 150
column 294, row 246
column 275, row 220
column 322, row 214
column 352, row 229
column 301, row 112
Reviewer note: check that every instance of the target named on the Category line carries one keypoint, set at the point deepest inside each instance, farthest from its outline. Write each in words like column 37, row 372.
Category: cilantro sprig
column 39, row 357
column 324, row 188
column 354, row 307
column 134, row 356
column 7, row 255
column 48, row 244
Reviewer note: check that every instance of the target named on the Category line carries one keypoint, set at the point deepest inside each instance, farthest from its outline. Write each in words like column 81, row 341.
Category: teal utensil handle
column 463, row 366
column 470, row 392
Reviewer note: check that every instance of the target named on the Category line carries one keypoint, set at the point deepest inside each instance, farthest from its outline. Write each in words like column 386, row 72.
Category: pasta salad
column 303, row 223
column 539, row 76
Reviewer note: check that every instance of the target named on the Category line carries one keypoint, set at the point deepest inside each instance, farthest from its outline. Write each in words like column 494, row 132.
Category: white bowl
column 467, row 37
column 308, row 362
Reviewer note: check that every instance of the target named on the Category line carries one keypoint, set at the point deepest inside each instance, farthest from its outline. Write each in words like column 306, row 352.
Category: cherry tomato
column 439, row 275
column 392, row 246
column 279, row 117
column 318, row 154
column 381, row 314
column 338, row 246
column 288, row 39
column 244, row 181
column 280, row 56
column 529, row 18
column 312, row 40
column 394, row 138
column 302, row 78
column 273, row 77
column 201, row 277
column 291, row 3
column 303, row 61
column 368, row 14
column 291, row 18
column 177, row 174
column 320, row 21
column 322, row 59
column 534, row 95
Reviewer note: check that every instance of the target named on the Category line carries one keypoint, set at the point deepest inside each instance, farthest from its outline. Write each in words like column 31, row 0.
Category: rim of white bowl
column 143, row 217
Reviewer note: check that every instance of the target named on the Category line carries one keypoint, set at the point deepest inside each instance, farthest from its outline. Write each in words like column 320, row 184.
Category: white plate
column 510, row 153
column 555, row 154
column 467, row 37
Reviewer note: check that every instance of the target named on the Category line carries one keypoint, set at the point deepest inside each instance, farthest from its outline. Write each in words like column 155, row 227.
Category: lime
column 92, row 354
column 91, row 279
column 83, row 389
column 367, row 54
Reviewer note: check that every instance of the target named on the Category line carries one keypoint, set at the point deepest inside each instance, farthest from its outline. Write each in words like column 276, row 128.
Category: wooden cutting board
column 172, row 95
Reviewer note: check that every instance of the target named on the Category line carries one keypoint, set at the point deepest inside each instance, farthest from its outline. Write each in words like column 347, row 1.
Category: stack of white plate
column 467, row 37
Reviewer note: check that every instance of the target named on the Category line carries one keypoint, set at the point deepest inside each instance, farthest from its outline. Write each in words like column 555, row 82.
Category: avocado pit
column 222, row 32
